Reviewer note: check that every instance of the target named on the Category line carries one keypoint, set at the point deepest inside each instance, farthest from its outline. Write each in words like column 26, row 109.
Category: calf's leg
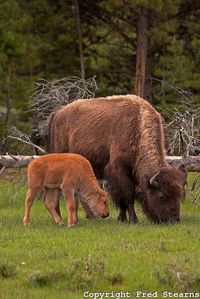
column 88, row 211
column 50, row 201
column 71, row 204
column 57, row 201
column 30, row 196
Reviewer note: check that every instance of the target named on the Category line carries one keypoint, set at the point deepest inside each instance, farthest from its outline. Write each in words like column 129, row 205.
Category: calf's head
column 98, row 203
column 164, row 190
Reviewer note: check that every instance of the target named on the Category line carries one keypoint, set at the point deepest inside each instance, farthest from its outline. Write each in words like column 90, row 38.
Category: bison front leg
column 122, row 212
column 122, row 190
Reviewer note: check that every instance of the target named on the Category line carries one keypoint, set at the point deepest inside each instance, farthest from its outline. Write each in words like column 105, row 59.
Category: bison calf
column 70, row 173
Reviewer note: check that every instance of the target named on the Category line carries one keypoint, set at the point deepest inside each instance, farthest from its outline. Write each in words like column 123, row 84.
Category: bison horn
column 153, row 181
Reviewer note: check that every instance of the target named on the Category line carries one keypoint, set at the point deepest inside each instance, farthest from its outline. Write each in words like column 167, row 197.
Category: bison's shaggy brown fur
column 122, row 137
column 70, row 173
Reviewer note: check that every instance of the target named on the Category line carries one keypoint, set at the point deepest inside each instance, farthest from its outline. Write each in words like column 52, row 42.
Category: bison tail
column 48, row 133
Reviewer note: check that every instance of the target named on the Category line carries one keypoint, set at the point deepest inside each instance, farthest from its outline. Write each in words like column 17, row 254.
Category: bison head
column 162, row 195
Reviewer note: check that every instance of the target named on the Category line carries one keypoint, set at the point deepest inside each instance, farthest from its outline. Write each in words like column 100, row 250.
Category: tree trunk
column 9, row 101
column 82, row 65
column 141, row 52
column 9, row 107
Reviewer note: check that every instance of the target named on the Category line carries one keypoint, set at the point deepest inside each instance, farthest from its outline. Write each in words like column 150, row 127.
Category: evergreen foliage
column 39, row 39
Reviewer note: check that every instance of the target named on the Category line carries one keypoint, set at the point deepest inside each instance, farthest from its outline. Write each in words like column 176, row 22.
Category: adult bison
column 122, row 137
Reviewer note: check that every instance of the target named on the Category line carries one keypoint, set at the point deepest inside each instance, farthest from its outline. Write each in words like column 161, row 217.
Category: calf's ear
column 96, row 191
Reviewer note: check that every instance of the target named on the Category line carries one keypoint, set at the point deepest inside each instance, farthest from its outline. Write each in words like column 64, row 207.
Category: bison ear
column 154, row 180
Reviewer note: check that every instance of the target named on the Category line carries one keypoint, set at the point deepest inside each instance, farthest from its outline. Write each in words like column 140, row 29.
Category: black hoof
column 133, row 221
column 122, row 217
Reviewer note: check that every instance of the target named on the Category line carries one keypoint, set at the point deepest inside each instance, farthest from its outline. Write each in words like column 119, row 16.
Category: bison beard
column 122, row 137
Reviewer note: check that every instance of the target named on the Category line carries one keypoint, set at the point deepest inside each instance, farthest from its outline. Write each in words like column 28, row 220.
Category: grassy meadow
column 46, row 261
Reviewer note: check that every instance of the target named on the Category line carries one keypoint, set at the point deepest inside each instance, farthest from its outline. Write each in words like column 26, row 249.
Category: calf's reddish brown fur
column 70, row 173
column 122, row 137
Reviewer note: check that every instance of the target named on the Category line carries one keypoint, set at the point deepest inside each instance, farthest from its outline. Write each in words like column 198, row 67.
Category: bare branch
column 184, row 123
column 48, row 96
column 184, row 130
column 14, row 133
column 2, row 169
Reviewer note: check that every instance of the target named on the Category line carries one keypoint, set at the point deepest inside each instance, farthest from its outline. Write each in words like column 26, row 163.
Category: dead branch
column 2, row 169
column 182, row 95
column 48, row 96
column 184, row 130
column 190, row 163
column 196, row 183
column 183, row 124
column 15, row 134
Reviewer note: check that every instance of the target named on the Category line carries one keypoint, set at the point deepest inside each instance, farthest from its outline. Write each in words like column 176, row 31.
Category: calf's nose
column 105, row 215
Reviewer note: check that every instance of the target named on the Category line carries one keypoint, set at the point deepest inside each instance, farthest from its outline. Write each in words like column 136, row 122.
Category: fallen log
column 190, row 163
column 8, row 161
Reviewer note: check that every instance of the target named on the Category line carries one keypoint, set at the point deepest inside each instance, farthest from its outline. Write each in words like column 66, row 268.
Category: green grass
column 46, row 261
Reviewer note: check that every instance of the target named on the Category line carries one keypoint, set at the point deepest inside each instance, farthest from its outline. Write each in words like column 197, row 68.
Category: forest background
column 149, row 48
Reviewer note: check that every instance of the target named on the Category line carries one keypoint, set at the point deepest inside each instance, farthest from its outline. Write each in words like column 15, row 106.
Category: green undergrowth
column 47, row 261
